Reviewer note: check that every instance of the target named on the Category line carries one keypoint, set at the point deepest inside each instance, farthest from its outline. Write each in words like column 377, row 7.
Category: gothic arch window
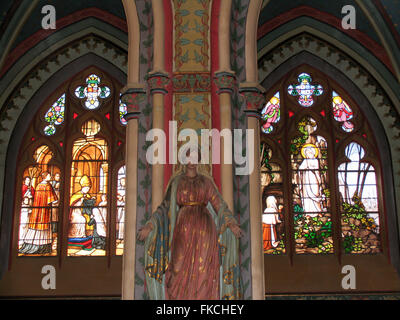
column 321, row 184
column 71, row 178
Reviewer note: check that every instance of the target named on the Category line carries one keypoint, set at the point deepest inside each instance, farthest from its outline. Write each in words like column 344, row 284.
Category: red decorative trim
column 374, row 47
column 168, row 98
column 215, row 111
column 40, row 35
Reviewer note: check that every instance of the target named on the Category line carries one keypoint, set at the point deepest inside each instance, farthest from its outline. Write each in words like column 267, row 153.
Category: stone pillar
column 157, row 82
column 253, row 95
column 131, row 97
column 225, row 82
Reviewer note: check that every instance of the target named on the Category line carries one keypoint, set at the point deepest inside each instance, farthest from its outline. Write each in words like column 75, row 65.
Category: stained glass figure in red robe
column 38, row 238
column 271, row 114
column 342, row 113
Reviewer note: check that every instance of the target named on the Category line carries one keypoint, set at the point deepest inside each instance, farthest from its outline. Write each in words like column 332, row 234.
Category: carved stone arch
column 64, row 46
column 29, row 98
column 364, row 94
column 277, row 46
column 19, row 93
column 371, row 11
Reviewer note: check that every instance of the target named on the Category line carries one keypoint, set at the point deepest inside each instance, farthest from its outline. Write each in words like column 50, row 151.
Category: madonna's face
column 194, row 159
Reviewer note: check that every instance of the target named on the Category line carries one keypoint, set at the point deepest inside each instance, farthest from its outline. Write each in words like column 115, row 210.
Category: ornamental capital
column 158, row 82
column 253, row 95
column 225, row 82
column 133, row 97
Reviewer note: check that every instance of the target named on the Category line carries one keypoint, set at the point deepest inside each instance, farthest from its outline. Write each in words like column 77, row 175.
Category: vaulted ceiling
column 275, row 13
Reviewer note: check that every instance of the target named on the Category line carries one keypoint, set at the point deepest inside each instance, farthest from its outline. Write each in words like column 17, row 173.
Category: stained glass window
column 319, row 187
column 359, row 203
column 342, row 112
column 123, row 110
column 271, row 114
column 305, row 90
column 55, row 116
column 88, row 203
column 273, row 222
column 67, row 190
column 92, row 92
column 311, row 203
column 39, row 206
column 120, row 210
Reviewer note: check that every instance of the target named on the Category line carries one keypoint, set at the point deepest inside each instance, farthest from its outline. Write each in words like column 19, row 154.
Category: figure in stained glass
column 342, row 112
column 55, row 183
column 310, row 180
column 38, row 238
column 27, row 190
column 81, row 206
column 123, row 110
column 270, row 219
column 98, row 220
column 271, row 114
column 311, row 196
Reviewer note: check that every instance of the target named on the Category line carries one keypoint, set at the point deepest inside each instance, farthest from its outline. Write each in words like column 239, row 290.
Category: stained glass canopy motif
column 92, row 92
column 305, row 91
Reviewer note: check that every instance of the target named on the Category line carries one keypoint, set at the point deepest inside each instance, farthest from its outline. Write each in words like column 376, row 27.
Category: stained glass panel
column 342, row 112
column 123, row 110
column 273, row 208
column 89, row 196
column 359, row 203
column 311, row 197
column 271, row 114
column 54, row 116
column 305, row 90
column 92, row 92
column 38, row 226
column 120, row 210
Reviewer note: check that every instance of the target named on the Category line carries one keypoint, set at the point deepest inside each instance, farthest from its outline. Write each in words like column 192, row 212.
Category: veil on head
column 202, row 168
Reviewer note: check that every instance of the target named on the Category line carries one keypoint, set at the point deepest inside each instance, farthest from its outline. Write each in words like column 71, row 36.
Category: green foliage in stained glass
column 55, row 116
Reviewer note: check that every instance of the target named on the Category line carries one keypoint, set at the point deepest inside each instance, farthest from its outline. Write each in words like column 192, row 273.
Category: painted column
column 225, row 82
column 131, row 97
column 157, row 81
column 254, row 97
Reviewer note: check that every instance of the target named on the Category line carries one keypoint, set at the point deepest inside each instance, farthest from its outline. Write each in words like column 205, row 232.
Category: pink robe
column 193, row 270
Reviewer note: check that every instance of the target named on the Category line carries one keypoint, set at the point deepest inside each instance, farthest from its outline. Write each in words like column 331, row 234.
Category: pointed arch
column 382, row 130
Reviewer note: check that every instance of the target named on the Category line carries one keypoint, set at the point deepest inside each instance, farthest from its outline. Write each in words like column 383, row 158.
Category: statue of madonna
column 191, row 241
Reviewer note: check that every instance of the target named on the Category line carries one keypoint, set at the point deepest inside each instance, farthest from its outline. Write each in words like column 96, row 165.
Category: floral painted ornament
column 305, row 90
column 54, row 116
column 92, row 92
